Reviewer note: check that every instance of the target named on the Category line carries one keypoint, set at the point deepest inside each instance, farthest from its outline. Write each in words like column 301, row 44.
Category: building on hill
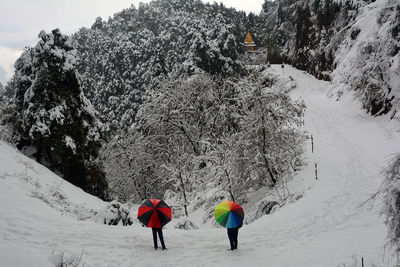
column 249, row 44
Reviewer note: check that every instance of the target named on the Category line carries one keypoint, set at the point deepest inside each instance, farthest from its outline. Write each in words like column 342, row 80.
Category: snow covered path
column 324, row 228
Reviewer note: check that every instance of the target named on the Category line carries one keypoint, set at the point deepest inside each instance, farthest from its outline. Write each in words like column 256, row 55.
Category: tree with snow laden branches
column 3, row 96
column 2, row 91
column 391, row 210
column 269, row 133
column 119, row 58
column 131, row 168
column 234, row 134
column 54, row 117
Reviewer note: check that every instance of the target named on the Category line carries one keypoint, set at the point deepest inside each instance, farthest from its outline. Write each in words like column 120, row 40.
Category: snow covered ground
column 41, row 215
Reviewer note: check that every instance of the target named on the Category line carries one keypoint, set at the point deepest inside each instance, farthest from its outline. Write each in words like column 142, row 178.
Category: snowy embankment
column 368, row 61
column 326, row 227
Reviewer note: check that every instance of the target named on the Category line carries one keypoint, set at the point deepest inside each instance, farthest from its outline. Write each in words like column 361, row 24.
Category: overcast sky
column 22, row 20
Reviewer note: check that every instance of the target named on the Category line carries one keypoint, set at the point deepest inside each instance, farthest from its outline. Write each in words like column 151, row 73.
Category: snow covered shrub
column 355, row 262
column 254, row 59
column 115, row 213
column 8, row 120
column 59, row 259
column 185, row 224
column 52, row 196
column 285, row 84
column 175, row 200
column 392, row 203
column 54, row 116
column 263, row 207
column 210, row 200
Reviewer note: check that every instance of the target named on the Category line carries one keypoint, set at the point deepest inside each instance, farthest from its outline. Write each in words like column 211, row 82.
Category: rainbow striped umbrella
column 229, row 214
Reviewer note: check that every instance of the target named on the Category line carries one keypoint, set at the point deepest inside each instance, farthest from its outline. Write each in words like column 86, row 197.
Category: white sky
column 22, row 20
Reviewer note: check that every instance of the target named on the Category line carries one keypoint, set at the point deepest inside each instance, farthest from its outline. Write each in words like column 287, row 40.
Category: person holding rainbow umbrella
column 230, row 215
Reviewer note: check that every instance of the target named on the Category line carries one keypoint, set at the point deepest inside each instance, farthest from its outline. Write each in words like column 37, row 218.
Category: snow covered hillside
column 368, row 60
column 354, row 43
column 41, row 214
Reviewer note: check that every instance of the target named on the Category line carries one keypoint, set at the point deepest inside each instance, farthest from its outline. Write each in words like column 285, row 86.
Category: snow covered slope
column 35, row 205
column 368, row 59
column 326, row 227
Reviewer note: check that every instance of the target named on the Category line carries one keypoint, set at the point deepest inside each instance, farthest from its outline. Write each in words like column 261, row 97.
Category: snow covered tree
column 179, row 166
column 268, row 130
column 8, row 116
column 391, row 192
column 239, row 129
column 131, row 168
column 173, row 121
column 3, row 96
column 291, row 30
column 230, row 167
column 54, row 116
column 120, row 58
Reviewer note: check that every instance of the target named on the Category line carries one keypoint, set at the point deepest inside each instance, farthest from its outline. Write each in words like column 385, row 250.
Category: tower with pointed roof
column 249, row 44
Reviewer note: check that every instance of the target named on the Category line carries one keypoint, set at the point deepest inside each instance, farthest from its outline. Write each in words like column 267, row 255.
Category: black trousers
column 233, row 237
column 160, row 234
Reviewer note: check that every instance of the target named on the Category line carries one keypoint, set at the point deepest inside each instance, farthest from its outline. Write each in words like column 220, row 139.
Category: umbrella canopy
column 154, row 213
column 229, row 214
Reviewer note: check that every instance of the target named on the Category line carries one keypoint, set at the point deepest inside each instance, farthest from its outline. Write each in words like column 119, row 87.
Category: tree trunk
column 230, row 186
column 264, row 152
column 272, row 176
column 184, row 193
column 38, row 155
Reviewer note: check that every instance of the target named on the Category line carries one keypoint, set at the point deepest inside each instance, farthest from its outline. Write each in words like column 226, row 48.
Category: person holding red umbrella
column 155, row 213
column 160, row 235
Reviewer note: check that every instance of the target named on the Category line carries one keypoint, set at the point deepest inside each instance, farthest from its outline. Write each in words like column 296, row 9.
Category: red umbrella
column 154, row 213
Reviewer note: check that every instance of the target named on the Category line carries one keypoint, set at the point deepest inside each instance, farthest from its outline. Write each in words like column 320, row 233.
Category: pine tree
column 55, row 117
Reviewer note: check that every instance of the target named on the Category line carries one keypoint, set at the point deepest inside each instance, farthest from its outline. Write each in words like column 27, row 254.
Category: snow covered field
column 329, row 226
